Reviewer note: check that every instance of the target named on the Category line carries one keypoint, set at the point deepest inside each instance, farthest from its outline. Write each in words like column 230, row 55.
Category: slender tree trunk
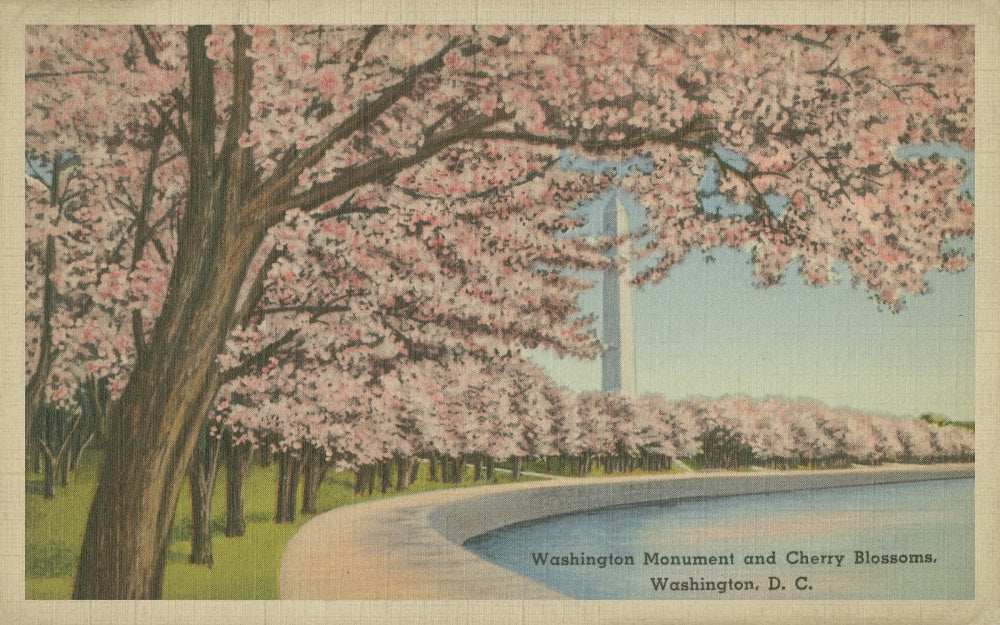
column 385, row 471
column 201, row 477
column 308, row 471
column 266, row 454
column 45, row 438
column 34, row 391
column 54, row 441
column 444, row 468
column 81, row 442
column 312, row 476
column 237, row 464
column 36, row 454
column 64, row 468
column 490, row 469
column 48, row 478
column 432, row 474
column 402, row 472
column 201, row 520
column 477, row 468
column 282, row 494
column 459, row 468
column 515, row 473
column 289, row 467
column 414, row 467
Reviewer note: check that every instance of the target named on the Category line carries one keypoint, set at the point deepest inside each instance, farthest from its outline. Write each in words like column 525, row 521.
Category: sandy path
column 409, row 547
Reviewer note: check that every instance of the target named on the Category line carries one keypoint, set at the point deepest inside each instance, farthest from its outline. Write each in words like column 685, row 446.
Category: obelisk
column 618, row 362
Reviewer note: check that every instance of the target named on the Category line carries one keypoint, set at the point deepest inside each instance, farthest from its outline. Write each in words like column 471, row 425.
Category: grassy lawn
column 244, row 568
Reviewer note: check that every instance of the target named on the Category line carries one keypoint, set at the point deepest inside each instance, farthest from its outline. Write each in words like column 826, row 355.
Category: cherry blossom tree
column 429, row 126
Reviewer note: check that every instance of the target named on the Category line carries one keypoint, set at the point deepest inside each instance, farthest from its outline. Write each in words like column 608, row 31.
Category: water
column 797, row 545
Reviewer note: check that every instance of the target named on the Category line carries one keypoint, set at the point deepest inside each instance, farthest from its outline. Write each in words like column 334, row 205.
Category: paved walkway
column 409, row 547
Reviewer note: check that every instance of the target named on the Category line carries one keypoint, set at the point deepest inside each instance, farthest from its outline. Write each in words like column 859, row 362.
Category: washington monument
column 618, row 362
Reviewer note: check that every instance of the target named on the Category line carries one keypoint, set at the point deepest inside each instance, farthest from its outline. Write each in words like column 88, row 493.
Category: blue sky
column 706, row 330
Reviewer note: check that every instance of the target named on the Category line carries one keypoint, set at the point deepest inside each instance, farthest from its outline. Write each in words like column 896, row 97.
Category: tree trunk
column 201, row 477
column 289, row 467
column 201, row 519
column 385, row 472
column 402, row 472
column 237, row 464
column 515, row 473
column 48, row 478
column 64, row 467
column 414, row 467
column 34, row 391
column 443, row 468
column 309, row 469
column 432, row 474
column 459, row 469
column 282, row 494
column 153, row 427
column 313, row 473
column 489, row 469
column 36, row 454
column 477, row 468
column 266, row 455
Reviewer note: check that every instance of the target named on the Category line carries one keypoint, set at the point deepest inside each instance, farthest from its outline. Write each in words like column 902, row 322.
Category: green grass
column 244, row 568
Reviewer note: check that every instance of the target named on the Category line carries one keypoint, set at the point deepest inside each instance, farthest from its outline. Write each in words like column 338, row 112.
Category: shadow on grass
column 49, row 560
column 34, row 487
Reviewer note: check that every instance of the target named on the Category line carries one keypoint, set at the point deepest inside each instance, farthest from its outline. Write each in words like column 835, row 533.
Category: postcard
column 502, row 317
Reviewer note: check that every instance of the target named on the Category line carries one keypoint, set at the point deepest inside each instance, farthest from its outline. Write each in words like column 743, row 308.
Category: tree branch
column 138, row 336
column 283, row 180
column 256, row 290
column 366, row 42
column 695, row 133
column 147, row 45
column 258, row 359
column 37, row 75
column 384, row 167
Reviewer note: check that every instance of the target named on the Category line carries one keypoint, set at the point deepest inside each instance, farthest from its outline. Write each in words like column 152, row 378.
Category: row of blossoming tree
column 219, row 213
column 471, row 414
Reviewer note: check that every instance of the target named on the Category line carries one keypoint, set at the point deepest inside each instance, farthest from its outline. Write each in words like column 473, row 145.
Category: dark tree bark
column 265, row 455
column 289, row 467
column 201, row 478
column 402, row 472
column 444, row 468
column 432, row 466
column 313, row 472
column 237, row 463
column 48, row 478
column 414, row 467
column 515, row 472
column 489, row 469
column 56, row 432
column 36, row 454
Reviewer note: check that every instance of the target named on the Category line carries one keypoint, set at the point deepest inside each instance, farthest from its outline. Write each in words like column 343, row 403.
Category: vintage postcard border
column 986, row 607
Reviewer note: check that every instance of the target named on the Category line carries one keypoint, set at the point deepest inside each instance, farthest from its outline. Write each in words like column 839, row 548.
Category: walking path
column 410, row 547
